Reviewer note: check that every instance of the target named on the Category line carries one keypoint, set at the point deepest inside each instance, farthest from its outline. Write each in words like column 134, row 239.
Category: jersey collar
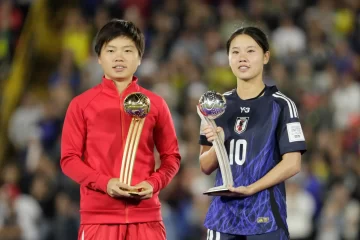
column 110, row 88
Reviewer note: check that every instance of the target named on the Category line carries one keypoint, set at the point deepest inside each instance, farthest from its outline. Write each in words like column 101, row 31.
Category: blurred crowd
column 315, row 60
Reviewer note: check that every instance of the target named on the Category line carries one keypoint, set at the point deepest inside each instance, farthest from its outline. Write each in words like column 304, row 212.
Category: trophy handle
column 221, row 154
column 210, row 122
column 130, row 149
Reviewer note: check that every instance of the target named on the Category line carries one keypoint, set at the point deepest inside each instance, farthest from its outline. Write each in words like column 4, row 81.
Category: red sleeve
column 72, row 149
column 167, row 145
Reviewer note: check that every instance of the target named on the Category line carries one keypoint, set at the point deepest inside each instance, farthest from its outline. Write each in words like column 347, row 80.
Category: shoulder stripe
column 227, row 93
column 291, row 104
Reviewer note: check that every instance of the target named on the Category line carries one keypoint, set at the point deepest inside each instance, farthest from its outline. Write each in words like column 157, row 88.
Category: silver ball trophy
column 211, row 106
column 137, row 105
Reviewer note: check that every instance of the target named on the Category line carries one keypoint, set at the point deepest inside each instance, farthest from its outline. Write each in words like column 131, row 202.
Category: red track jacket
column 93, row 139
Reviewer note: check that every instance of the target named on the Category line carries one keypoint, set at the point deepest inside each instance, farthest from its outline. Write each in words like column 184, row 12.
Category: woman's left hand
column 242, row 191
column 146, row 190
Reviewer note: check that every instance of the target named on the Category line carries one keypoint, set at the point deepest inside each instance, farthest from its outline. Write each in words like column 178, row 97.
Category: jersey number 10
column 237, row 151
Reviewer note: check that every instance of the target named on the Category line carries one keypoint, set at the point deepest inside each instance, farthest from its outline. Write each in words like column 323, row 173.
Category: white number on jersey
column 238, row 151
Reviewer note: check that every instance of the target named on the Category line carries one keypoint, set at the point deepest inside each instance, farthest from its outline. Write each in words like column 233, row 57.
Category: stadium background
column 46, row 58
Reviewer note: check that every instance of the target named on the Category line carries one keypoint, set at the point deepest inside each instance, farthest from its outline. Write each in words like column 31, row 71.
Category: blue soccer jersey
column 257, row 133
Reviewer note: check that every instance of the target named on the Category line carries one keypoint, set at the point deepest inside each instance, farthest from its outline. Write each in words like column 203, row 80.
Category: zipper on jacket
column 122, row 133
column 122, row 118
column 122, row 125
column 126, row 213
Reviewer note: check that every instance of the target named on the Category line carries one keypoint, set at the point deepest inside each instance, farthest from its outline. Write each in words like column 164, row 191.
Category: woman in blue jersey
column 264, row 142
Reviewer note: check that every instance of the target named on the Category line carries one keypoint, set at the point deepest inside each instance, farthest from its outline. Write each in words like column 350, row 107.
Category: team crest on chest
column 241, row 124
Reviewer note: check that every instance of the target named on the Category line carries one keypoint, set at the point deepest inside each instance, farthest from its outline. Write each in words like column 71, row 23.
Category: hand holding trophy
column 137, row 105
column 211, row 106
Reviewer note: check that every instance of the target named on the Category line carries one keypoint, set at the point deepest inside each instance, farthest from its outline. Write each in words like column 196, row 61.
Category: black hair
column 119, row 28
column 255, row 33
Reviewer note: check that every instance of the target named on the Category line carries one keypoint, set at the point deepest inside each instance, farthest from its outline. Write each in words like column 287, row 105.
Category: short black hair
column 119, row 28
column 255, row 33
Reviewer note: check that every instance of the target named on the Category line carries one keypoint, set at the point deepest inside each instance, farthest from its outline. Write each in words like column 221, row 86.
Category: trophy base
column 218, row 191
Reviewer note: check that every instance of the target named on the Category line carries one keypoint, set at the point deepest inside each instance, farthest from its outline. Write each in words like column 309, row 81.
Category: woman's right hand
column 117, row 189
column 212, row 133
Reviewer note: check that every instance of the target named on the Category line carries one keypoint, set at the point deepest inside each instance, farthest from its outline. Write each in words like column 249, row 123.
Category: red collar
column 109, row 87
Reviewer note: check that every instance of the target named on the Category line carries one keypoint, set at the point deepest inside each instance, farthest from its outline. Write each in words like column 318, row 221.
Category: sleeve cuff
column 301, row 150
column 154, row 183
column 101, row 183
column 204, row 141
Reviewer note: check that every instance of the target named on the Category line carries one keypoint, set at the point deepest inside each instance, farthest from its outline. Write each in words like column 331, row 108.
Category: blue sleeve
column 290, row 135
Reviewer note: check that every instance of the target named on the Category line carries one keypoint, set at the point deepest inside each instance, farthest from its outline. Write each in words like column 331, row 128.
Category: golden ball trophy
column 137, row 105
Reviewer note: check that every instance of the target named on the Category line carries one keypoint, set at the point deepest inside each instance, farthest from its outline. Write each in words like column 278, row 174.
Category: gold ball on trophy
column 137, row 105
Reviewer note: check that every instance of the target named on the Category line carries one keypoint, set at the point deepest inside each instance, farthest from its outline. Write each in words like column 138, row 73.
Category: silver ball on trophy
column 137, row 105
column 212, row 104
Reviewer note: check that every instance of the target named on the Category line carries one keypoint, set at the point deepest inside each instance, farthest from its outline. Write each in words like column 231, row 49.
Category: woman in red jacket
column 93, row 142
